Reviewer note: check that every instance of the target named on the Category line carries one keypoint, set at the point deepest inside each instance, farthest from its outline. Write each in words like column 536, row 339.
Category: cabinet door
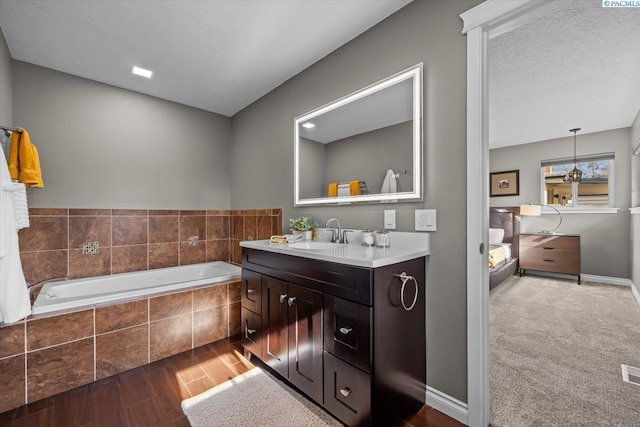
column 274, row 324
column 252, row 291
column 305, row 340
column 251, row 332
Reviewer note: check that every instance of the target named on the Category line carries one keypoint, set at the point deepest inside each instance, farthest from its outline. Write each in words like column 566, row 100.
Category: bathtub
column 77, row 293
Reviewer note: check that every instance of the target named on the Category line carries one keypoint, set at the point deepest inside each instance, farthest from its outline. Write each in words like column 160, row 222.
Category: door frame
column 480, row 24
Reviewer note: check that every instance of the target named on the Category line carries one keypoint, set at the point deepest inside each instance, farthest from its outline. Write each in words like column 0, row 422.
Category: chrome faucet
column 335, row 237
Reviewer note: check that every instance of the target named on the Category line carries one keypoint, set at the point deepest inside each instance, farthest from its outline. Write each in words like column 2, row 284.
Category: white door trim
column 489, row 19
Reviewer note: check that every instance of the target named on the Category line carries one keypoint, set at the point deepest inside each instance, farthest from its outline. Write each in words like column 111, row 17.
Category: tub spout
column 34, row 289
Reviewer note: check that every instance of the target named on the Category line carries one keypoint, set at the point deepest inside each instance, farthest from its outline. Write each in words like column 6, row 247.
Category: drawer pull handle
column 345, row 391
column 283, row 298
column 547, row 249
column 345, row 330
column 250, row 331
column 291, row 301
column 549, row 260
column 250, row 290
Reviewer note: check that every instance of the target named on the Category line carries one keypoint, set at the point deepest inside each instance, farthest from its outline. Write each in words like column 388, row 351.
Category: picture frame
column 505, row 183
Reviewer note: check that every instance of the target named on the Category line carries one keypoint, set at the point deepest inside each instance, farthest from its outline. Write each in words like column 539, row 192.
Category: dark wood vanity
column 339, row 333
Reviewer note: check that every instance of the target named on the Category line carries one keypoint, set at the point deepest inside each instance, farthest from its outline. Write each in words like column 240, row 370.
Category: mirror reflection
column 364, row 147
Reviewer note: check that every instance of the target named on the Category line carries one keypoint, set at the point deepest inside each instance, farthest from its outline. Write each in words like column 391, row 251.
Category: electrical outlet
column 90, row 248
column 425, row 220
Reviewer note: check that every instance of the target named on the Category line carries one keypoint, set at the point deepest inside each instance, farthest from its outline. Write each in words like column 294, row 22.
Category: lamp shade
column 530, row 210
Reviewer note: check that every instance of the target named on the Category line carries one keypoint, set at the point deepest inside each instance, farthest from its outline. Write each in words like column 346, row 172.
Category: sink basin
column 316, row 246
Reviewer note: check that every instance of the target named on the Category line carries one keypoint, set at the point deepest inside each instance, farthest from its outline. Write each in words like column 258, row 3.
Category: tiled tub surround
column 40, row 357
column 135, row 240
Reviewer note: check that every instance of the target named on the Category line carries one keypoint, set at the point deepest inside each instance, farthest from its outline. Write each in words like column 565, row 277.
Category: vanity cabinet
column 339, row 333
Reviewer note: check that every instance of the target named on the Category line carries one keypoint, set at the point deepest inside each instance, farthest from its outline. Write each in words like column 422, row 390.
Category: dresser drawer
column 347, row 391
column 551, row 265
column 252, row 291
column 251, row 325
column 553, row 242
column 540, row 253
column 347, row 331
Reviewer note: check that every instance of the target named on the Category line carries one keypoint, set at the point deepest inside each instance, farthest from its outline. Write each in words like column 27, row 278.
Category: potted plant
column 302, row 225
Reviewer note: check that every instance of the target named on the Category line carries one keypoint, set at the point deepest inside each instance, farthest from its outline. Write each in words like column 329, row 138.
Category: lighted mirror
column 365, row 147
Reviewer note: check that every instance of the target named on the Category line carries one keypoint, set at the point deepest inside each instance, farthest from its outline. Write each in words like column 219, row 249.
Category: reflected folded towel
column 344, row 190
column 354, row 188
column 332, row 191
column 24, row 162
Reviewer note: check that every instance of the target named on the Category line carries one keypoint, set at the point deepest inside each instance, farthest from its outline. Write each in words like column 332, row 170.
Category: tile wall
column 45, row 356
column 40, row 357
column 134, row 240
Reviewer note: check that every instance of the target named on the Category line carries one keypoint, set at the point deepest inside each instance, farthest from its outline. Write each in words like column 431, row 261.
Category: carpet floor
column 254, row 399
column 556, row 350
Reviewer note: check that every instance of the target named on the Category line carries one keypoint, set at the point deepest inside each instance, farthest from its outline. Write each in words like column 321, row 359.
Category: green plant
column 304, row 223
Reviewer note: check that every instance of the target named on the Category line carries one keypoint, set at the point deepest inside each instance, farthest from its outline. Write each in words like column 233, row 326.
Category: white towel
column 389, row 184
column 19, row 194
column 14, row 296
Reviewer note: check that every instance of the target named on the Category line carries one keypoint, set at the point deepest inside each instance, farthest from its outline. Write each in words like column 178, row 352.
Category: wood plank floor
column 150, row 395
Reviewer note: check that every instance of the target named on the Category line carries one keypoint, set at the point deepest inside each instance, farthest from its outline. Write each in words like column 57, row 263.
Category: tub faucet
column 336, row 233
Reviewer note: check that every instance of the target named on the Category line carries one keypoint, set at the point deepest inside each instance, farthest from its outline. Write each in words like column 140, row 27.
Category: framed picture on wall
column 505, row 183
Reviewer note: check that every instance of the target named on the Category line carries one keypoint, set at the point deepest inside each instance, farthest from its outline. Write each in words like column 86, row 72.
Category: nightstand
column 553, row 253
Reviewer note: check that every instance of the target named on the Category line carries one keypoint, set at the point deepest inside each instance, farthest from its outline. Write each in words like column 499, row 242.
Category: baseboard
column 635, row 293
column 618, row 281
column 447, row 405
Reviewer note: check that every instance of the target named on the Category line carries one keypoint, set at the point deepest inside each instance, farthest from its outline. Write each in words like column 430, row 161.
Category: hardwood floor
column 150, row 395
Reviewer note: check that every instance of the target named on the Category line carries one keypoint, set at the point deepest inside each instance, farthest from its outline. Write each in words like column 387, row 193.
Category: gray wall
column 262, row 152
column 6, row 91
column 313, row 158
column 101, row 146
column 368, row 156
column 605, row 242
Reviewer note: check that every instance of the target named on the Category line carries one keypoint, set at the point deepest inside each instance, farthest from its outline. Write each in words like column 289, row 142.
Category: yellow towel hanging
column 354, row 188
column 333, row 189
column 24, row 162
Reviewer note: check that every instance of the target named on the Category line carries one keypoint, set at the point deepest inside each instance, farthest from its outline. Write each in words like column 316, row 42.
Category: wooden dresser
column 550, row 253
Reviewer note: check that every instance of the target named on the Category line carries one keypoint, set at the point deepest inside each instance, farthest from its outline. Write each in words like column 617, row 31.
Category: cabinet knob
column 283, row 298
column 345, row 330
column 345, row 391
column 291, row 301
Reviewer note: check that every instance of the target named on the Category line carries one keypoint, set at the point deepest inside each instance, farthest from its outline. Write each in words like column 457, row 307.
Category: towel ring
column 405, row 278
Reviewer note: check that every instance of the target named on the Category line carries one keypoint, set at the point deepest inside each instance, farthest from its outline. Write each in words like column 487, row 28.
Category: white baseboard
column 447, row 405
column 635, row 293
column 618, row 281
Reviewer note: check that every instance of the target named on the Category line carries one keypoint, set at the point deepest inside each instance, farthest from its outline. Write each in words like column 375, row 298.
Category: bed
column 504, row 233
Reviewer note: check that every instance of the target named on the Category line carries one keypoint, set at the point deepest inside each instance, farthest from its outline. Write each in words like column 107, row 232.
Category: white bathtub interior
column 69, row 294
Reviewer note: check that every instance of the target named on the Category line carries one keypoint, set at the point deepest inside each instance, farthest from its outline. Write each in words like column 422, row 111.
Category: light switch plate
column 426, row 220
column 390, row 219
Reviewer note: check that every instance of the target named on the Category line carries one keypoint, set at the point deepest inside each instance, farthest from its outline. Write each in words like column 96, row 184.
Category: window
column 594, row 190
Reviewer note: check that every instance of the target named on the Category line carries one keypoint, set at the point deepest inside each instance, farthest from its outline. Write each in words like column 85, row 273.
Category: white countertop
column 404, row 246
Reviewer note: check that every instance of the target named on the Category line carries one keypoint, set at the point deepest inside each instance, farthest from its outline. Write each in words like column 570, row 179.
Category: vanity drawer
column 251, row 325
column 252, row 291
column 347, row 391
column 347, row 331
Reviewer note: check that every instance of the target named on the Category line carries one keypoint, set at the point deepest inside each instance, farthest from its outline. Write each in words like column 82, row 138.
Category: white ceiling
column 578, row 66
column 219, row 56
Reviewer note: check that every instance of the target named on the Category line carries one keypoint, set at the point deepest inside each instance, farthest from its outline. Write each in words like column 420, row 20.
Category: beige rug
column 255, row 399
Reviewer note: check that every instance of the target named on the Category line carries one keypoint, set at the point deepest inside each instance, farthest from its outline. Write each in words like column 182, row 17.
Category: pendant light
column 576, row 174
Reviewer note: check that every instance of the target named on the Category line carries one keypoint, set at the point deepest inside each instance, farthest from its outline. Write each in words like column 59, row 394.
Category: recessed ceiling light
column 308, row 125
column 141, row 72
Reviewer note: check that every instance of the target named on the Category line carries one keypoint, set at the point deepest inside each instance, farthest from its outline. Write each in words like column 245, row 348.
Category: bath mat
column 254, row 398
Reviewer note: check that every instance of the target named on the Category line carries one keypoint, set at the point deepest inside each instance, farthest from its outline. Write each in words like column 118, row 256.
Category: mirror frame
column 416, row 194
